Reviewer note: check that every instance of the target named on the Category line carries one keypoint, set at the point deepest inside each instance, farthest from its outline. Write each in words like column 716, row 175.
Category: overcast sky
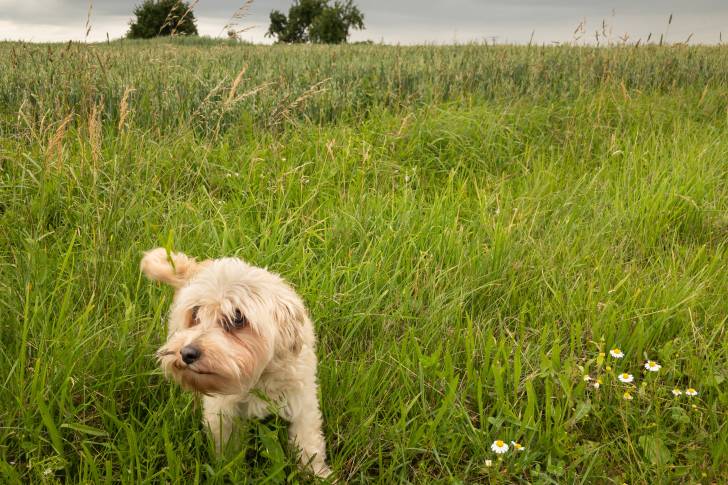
column 398, row 21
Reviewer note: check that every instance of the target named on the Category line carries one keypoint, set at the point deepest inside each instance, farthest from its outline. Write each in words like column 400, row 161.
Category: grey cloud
column 417, row 20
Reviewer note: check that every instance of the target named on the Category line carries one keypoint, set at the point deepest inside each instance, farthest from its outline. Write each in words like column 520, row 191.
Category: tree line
column 308, row 21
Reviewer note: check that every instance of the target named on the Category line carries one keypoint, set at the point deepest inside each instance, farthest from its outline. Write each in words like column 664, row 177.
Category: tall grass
column 472, row 227
column 186, row 82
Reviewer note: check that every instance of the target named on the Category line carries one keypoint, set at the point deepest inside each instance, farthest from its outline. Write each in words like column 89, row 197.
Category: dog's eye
column 193, row 316
column 238, row 321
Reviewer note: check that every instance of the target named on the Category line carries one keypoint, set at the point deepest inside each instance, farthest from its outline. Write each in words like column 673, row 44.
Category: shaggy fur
column 241, row 336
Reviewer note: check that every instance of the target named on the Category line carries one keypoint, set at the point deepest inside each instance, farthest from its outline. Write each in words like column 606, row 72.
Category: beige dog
column 241, row 336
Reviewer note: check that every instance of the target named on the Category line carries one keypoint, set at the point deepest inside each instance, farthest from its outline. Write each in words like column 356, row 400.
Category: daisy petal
column 499, row 447
column 652, row 366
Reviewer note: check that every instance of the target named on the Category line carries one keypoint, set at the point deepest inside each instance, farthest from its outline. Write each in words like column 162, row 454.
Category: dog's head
column 228, row 321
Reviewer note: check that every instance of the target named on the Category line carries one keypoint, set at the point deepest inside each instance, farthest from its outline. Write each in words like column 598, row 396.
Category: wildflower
column 488, row 463
column 627, row 396
column 499, row 447
column 626, row 378
column 652, row 366
column 676, row 392
column 587, row 378
column 616, row 353
column 517, row 446
column 691, row 392
column 608, row 368
column 602, row 354
column 598, row 383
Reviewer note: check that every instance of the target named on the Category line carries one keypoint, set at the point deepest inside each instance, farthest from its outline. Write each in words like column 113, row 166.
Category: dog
column 241, row 336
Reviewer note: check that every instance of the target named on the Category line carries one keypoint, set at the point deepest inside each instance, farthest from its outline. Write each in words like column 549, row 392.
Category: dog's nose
column 190, row 354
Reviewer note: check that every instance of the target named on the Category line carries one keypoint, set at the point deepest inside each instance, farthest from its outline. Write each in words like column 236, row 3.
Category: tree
column 315, row 21
column 162, row 17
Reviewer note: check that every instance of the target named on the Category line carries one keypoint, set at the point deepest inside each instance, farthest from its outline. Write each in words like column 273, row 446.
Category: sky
column 398, row 21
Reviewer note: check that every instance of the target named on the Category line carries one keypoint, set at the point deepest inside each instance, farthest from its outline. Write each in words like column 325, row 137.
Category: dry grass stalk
column 88, row 19
column 22, row 115
column 580, row 31
column 36, row 127
column 283, row 112
column 233, row 26
column 406, row 122
column 208, row 99
column 171, row 18
column 234, row 86
column 54, row 150
column 124, row 107
column 247, row 94
column 94, row 130
column 625, row 91
column 232, row 99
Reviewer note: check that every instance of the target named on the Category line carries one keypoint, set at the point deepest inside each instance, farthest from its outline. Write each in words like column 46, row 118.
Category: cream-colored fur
column 265, row 365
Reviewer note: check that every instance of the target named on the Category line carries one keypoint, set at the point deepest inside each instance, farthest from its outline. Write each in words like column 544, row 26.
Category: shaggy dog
column 241, row 336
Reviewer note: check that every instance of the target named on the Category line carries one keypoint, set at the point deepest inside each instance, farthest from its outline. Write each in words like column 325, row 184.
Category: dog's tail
column 175, row 269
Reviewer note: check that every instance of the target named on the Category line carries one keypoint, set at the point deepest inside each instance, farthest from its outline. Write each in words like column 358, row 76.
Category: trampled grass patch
column 473, row 229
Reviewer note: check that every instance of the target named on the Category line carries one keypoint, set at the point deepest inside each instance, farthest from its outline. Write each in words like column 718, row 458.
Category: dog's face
column 228, row 321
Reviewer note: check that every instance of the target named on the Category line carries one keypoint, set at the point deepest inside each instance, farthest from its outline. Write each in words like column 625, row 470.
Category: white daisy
column 517, row 446
column 627, row 396
column 616, row 353
column 626, row 378
column 691, row 392
column 499, row 446
column 676, row 392
column 652, row 366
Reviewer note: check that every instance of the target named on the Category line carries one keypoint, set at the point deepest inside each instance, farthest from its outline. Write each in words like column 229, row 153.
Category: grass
column 472, row 227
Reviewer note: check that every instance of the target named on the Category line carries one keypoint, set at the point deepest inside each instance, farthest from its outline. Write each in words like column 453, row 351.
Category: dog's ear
column 290, row 317
column 156, row 265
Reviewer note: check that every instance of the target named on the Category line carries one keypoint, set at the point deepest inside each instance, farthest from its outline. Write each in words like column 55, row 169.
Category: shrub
column 156, row 18
column 315, row 21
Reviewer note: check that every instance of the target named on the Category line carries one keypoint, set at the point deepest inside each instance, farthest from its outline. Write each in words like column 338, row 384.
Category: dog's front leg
column 305, row 434
column 219, row 413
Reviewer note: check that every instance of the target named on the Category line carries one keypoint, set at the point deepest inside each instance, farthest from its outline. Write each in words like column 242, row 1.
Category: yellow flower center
column 616, row 351
column 499, row 444
column 626, row 376
column 652, row 363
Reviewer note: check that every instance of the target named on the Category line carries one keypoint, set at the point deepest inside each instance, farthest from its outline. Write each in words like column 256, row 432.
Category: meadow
column 474, row 228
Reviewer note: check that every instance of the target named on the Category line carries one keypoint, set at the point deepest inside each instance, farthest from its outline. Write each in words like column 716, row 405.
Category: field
column 473, row 228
